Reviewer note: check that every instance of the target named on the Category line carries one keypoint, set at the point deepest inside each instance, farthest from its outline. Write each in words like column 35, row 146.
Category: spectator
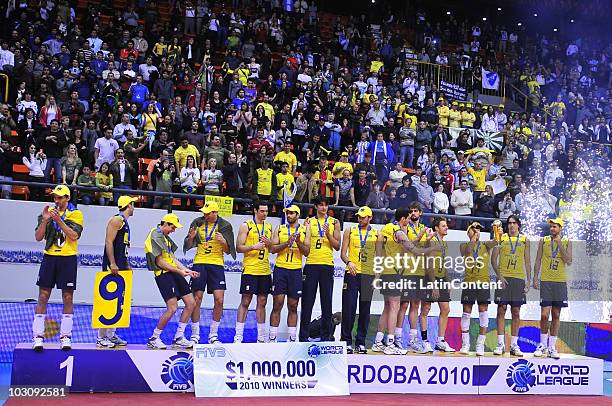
column 440, row 202
column 262, row 181
column 8, row 157
column 486, row 205
column 284, row 179
column 212, row 178
column 190, row 179
column 85, row 179
column 425, row 194
column 462, row 202
column 552, row 174
column 396, row 176
column 71, row 165
column 363, row 187
column 105, row 148
column 36, row 162
column 377, row 200
column 506, row 207
column 406, row 194
column 233, row 177
column 164, row 174
column 52, row 140
column 104, row 182
column 344, row 191
column 306, row 186
column 382, row 157
column 123, row 173
column 184, row 150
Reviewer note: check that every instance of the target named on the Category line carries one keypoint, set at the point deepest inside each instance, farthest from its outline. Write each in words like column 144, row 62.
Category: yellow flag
column 375, row 66
column 226, row 204
column 112, row 300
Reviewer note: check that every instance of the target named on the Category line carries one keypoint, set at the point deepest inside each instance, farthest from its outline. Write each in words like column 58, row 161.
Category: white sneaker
column 540, row 351
column 417, row 346
column 214, row 339
column 427, row 346
column 65, row 343
column 261, row 340
column 392, row 349
column 118, row 341
column 195, row 339
column 465, row 349
column 444, row 347
column 480, row 349
column 349, row 349
column 237, row 339
column 398, row 343
column 37, row 344
column 182, row 342
column 104, row 342
column 155, row 343
column 515, row 351
column 552, row 353
column 378, row 347
column 272, row 340
column 361, row 349
column 499, row 350
column 292, row 339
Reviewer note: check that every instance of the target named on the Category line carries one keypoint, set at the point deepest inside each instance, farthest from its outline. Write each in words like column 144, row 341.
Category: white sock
column 180, row 331
column 261, row 330
column 481, row 339
column 292, row 332
column 379, row 337
column 390, row 339
column 156, row 333
column 440, row 339
column 413, row 333
column 398, row 333
column 110, row 332
column 66, row 325
column 102, row 332
column 273, row 332
column 214, row 328
column 195, row 328
column 239, row 329
column 514, row 340
column 38, row 325
column 552, row 341
column 501, row 339
column 544, row 340
column 465, row 338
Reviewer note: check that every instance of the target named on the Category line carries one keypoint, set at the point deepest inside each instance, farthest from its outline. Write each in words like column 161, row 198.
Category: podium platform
column 138, row 369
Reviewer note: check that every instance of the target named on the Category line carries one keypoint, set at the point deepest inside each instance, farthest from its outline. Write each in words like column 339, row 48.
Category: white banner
column 271, row 369
column 490, row 79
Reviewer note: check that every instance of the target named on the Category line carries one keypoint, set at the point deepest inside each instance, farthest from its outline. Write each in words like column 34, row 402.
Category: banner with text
column 453, row 91
column 272, row 369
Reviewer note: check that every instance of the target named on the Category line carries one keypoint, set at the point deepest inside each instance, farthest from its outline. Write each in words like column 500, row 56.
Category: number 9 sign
column 112, row 300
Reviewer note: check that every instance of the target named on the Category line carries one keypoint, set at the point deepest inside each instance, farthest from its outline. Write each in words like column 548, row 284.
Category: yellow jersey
column 264, row 181
column 479, row 271
column 391, row 248
column 281, row 181
column 157, row 244
column 436, row 260
column 256, row 262
column 480, row 178
column 321, row 251
column 512, row 256
column 62, row 246
column 209, row 250
column 288, row 157
column 454, row 118
column 361, row 251
column 419, row 261
column 290, row 257
column 553, row 267
column 443, row 113
column 467, row 119
column 340, row 167
column 181, row 154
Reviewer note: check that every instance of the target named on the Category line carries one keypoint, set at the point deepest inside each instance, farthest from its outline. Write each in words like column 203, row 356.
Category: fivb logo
column 522, row 375
column 209, row 352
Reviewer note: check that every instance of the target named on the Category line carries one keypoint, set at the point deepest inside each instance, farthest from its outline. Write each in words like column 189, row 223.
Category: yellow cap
column 468, row 105
column 61, row 190
column 294, row 208
column 501, row 106
column 125, row 201
column 440, row 98
column 209, row 207
column 172, row 219
column 461, row 105
column 556, row 221
column 455, row 103
column 344, row 153
column 364, row 211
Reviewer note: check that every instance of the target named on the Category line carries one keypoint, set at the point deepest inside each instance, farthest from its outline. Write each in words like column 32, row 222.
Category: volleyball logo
column 521, row 376
column 177, row 371
column 314, row 351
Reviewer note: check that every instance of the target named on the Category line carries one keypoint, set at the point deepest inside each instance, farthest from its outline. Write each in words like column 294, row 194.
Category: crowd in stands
column 248, row 100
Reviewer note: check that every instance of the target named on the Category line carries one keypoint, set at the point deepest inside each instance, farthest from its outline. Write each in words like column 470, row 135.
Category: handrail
column 136, row 192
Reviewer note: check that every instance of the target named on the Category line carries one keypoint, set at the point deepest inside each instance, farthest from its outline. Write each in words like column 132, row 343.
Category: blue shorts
column 553, row 294
column 56, row 271
column 212, row 277
column 255, row 284
column 513, row 294
column 172, row 285
column 287, row 282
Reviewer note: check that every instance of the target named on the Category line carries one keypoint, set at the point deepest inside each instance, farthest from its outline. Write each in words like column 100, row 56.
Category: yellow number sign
column 112, row 300
column 226, row 204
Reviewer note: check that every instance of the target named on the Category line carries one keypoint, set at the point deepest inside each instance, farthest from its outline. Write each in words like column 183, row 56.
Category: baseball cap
column 172, row 219
column 209, row 207
column 468, row 105
column 475, row 224
column 461, row 105
column 61, row 190
column 344, row 153
column 556, row 221
column 501, row 106
column 125, row 201
column 460, row 152
column 364, row 211
column 440, row 98
column 294, row 208
column 455, row 103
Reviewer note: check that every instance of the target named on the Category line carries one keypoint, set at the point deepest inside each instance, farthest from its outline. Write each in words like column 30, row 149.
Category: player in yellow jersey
column 214, row 237
column 454, row 116
column 357, row 252
column 393, row 242
column 254, row 241
column 61, row 227
column 319, row 269
column 476, row 254
column 436, row 277
column 514, row 273
column 288, row 244
column 554, row 254
column 170, row 276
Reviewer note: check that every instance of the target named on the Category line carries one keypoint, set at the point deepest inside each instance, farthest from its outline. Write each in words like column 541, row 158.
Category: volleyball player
column 206, row 232
column 357, row 253
column 554, row 254
column 319, row 269
column 170, row 276
column 437, row 273
column 477, row 271
column 288, row 244
column 254, row 241
column 514, row 273
column 61, row 227
column 115, row 258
